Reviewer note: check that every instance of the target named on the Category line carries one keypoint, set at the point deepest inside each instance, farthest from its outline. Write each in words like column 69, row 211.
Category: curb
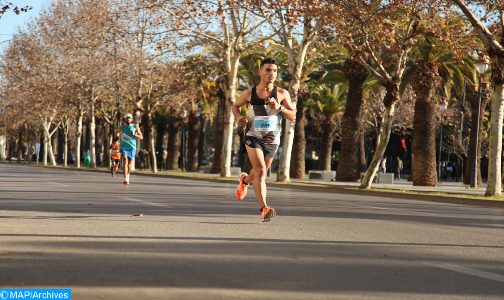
column 319, row 187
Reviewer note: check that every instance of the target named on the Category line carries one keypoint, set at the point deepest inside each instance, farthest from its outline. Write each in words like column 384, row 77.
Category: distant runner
column 129, row 134
column 267, row 105
column 115, row 155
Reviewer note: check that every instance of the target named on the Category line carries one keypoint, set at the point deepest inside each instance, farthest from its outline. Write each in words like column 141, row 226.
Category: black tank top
column 258, row 108
column 255, row 100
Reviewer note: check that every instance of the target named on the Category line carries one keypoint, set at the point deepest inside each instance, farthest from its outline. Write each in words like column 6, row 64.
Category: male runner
column 267, row 104
column 129, row 134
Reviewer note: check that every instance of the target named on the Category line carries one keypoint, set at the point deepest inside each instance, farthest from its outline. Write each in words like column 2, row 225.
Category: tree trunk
column 44, row 160
column 152, row 142
column 194, row 128
column 107, row 141
column 297, row 162
column 362, row 152
column 65, row 127
column 173, row 144
column 51, row 151
column 29, row 146
column 227, row 143
column 494, row 181
column 219, row 133
column 425, row 80
column 3, row 145
column 100, row 133
column 79, row 136
column 20, row 145
column 12, row 146
column 383, row 137
column 227, row 136
column 202, row 143
column 349, row 160
column 296, row 61
column 329, row 128
column 475, row 150
column 161, row 143
column 48, row 142
column 285, row 158
column 92, row 134
column 61, row 145
column 65, row 151
column 54, row 143
column 153, row 154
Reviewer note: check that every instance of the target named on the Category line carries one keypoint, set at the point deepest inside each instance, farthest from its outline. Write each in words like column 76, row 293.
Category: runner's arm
column 289, row 111
column 236, row 108
column 138, row 132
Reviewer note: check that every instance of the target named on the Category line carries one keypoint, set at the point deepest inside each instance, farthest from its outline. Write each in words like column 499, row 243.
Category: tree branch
column 483, row 32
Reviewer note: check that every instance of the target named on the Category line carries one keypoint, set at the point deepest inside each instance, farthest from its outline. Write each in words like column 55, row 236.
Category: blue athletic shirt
column 128, row 138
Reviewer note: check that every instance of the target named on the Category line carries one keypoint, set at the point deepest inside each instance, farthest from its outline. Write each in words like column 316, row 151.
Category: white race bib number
column 267, row 123
column 126, row 138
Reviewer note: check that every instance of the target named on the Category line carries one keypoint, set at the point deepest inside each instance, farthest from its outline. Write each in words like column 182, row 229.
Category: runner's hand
column 273, row 104
column 242, row 122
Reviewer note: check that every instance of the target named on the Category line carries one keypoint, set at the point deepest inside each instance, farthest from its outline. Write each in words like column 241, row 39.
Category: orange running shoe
column 241, row 190
column 267, row 213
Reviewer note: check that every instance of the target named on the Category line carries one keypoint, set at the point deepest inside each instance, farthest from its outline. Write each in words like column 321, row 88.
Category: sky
column 10, row 22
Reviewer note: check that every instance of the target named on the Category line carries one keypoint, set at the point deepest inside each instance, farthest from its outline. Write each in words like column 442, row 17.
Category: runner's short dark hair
column 268, row 61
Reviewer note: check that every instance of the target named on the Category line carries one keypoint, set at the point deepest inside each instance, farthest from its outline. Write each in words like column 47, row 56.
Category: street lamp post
column 482, row 65
column 442, row 107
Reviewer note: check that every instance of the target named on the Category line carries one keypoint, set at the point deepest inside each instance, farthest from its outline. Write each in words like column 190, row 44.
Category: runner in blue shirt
column 129, row 135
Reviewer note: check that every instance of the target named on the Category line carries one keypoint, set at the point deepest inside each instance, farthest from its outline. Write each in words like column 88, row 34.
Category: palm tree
column 330, row 103
column 426, row 79
column 349, row 161
column 202, row 109
column 433, row 66
column 329, row 74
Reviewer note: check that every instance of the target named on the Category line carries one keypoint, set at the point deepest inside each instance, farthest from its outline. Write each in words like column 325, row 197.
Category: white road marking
column 58, row 184
column 144, row 202
column 473, row 272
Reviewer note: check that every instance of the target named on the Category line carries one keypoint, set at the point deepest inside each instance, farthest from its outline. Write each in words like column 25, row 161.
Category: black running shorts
column 268, row 149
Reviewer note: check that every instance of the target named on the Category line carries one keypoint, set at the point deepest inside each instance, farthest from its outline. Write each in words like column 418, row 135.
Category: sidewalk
column 404, row 185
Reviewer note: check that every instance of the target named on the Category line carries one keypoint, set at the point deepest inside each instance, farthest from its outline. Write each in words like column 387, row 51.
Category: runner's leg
column 259, row 171
column 250, row 177
column 126, row 166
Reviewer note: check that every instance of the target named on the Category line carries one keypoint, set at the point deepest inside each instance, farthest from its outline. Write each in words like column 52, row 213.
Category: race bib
column 268, row 123
column 126, row 138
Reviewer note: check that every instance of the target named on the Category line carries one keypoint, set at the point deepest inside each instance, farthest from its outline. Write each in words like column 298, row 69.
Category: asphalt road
column 75, row 229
